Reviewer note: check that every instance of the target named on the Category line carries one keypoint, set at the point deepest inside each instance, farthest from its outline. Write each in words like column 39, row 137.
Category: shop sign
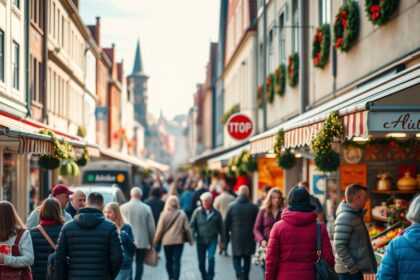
column 394, row 121
column 239, row 127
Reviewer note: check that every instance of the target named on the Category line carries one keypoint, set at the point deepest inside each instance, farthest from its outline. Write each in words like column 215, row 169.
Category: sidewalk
column 189, row 268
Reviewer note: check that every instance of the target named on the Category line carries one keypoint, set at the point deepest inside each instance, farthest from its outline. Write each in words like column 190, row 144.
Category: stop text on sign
column 239, row 126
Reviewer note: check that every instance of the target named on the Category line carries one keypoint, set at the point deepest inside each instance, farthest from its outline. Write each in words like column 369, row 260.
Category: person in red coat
column 291, row 251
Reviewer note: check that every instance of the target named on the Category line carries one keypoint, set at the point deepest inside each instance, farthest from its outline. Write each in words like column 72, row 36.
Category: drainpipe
column 264, row 103
column 27, row 58
column 44, row 86
column 45, row 180
column 304, row 58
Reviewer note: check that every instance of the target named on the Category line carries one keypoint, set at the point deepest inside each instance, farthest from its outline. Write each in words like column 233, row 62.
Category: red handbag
column 15, row 273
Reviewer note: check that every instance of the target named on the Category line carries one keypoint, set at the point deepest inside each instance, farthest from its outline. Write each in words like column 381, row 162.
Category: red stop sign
column 239, row 126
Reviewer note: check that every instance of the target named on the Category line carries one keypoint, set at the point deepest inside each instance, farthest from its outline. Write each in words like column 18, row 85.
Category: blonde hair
column 267, row 204
column 171, row 203
column 173, row 190
column 120, row 220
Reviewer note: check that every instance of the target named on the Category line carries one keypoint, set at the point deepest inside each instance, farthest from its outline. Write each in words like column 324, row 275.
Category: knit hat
column 299, row 200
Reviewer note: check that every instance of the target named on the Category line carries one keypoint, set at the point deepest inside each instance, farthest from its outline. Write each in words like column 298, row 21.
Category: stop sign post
column 239, row 126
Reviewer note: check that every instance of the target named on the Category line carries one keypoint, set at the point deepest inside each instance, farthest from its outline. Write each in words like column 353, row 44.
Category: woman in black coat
column 51, row 220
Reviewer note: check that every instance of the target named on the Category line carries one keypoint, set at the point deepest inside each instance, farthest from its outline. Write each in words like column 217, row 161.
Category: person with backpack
column 89, row 246
column 44, row 239
column 173, row 229
column 16, row 251
column 113, row 213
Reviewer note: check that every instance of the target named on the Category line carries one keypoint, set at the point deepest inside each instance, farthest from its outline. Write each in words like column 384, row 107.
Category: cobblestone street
column 189, row 268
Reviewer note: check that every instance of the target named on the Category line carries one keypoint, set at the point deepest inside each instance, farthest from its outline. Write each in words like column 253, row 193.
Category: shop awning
column 209, row 154
column 157, row 165
column 25, row 133
column 353, row 108
column 220, row 161
column 125, row 158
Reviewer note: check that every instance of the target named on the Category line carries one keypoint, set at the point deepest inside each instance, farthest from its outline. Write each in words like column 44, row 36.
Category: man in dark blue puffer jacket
column 89, row 246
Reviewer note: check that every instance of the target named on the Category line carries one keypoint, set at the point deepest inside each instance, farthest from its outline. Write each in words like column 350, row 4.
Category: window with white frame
column 295, row 26
column 16, row 3
column 15, row 65
column 270, row 51
column 324, row 11
column 282, row 40
column 1, row 55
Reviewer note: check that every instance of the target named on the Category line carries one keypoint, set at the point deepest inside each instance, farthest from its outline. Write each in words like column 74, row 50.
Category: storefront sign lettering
column 405, row 121
column 394, row 121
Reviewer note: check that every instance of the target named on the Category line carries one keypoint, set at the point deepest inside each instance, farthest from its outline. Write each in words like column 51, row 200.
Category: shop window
column 15, row 65
column 9, row 176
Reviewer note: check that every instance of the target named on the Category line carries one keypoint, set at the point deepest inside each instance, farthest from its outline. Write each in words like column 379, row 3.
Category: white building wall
column 12, row 24
column 240, row 84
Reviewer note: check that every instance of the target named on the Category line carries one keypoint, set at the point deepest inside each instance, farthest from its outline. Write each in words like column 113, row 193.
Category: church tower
column 137, row 82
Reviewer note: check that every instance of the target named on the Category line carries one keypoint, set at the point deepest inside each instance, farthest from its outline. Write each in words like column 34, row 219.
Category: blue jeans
column 139, row 263
column 348, row 276
column 242, row 272
column 173, row 260
column 210, row 249
column 125, row 274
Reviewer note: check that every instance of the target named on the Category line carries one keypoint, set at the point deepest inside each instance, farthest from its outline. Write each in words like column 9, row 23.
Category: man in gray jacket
column 140, row 217
column 353, row 250
column 59, row 192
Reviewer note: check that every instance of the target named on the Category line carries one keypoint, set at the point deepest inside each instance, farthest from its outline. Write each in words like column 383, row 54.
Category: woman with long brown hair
column 113, row 213
column 269, row 214
column 16, row 252
column 173, row 228
column 51, row 222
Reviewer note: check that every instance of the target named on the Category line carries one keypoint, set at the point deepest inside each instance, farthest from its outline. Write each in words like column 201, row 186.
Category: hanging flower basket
column 286, row 160
column 280, row 76
column 327, row 161
column 321, row 46
column 69, row 168
column 235, row 109
column 293, row 69
column 269, row 94
column 48, row 162
column 346, row 26
column 379, row 12
column 333, row 130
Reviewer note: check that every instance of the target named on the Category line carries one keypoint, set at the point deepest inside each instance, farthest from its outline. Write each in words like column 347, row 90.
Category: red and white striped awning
column 33, row 145
column 355, row 125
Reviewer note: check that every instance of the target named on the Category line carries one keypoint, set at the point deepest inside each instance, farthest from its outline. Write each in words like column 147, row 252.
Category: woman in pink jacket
column 291, row 251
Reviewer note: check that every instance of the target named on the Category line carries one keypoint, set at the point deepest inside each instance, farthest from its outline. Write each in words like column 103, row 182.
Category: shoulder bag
column 15, row 273
column 323, row 270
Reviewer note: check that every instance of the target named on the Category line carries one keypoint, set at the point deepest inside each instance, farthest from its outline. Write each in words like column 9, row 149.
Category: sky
column 174, row 36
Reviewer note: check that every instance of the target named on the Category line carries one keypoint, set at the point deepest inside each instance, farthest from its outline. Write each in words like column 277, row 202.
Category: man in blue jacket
column 89, row 246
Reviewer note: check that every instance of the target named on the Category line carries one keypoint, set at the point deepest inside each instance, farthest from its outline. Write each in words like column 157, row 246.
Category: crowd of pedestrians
column 74, row 236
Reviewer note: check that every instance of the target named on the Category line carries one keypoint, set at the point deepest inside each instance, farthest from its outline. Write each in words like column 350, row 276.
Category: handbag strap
column 318, row 240
column 47, row 237
column 173, row 221
column 19, row 237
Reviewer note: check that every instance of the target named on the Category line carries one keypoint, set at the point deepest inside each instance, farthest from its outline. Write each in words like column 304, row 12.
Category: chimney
column 97, row 31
